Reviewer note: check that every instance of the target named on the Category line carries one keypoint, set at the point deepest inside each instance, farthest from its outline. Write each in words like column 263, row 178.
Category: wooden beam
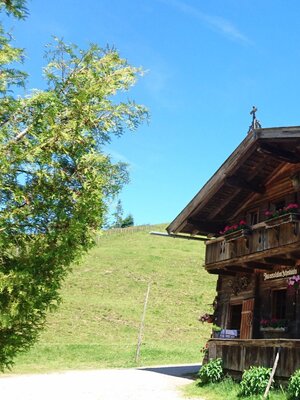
column 252, row 175
column 175, row 236
column 295, row 255
column 211, row 227
column 223, row 204
column 236, row 181
column 280, row 154
column 237, row 268
column 221, row 272
column 280, row 261
column 258, row 265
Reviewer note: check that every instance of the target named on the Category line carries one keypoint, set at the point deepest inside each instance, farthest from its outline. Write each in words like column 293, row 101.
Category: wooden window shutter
column 247, row 319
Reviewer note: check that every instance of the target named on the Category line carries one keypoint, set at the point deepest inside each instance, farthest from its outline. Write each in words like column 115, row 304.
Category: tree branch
column 21, row 134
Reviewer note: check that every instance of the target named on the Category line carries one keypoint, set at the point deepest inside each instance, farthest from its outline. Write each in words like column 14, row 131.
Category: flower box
column 274, row 333
column 239, row 234
column 282, row 219
column 270, row 329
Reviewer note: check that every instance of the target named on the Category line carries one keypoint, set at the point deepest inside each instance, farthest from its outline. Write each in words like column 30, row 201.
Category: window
column 253, row 217
column 279, row 205
column 279, row 304
column 236, row 316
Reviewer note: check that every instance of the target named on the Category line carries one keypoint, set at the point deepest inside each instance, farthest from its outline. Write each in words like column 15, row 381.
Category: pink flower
column 294, row 281
column 291, row 206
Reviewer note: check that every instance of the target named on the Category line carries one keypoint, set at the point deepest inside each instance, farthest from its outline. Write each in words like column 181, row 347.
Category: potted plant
column 216, row 331
column 206, row 318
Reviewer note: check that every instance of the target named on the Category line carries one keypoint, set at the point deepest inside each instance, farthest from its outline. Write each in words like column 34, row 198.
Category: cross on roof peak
column 255, row 122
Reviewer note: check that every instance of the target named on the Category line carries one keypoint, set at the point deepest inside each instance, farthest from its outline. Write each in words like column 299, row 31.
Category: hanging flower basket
column 207, row 318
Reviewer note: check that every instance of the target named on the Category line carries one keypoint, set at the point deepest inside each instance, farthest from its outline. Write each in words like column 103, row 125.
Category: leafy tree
column 119, row 221
column 54, row 176
column 127, row 221
column 118, row 215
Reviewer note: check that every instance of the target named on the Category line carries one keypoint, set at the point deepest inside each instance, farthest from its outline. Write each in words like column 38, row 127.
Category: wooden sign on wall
column 280, row 274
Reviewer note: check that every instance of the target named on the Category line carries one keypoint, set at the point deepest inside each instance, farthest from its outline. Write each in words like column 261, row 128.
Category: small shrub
column 294, row 386
column 254, row 381
column 211, row 372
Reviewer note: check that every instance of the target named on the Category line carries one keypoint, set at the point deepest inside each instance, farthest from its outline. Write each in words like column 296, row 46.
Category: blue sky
column 207, row 64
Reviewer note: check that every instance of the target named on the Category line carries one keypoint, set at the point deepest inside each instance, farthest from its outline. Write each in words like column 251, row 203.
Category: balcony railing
column 240, row 354
column 265, row 239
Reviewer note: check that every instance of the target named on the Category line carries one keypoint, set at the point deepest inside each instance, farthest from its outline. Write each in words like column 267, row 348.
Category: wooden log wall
column 238, row 355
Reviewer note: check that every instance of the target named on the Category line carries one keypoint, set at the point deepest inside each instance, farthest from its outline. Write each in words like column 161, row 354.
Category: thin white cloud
column 216, row 23
column 158, row 83
column 120, row 157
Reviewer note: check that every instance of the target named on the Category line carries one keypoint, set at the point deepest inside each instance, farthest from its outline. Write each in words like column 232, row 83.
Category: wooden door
column 247, row 319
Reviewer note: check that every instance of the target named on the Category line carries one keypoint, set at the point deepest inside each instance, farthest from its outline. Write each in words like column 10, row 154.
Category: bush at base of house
column 211, row 372
column 254, row 381
column 294, row 386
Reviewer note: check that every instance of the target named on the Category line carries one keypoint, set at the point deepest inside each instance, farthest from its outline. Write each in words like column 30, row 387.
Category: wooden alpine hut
column 249, row 214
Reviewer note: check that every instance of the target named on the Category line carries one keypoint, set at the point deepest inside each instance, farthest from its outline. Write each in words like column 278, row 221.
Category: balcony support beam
column 222, row 272
column 237, row 268
column 280, row 261
column 295, row 255
column 259, row 265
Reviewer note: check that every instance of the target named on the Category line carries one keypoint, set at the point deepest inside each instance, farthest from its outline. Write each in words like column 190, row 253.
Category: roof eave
column 246, row 147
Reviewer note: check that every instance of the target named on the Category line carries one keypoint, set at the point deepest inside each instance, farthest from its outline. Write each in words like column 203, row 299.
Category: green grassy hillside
column 98, row 321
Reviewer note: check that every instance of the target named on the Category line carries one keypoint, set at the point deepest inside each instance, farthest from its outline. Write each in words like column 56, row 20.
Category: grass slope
column 97, row 324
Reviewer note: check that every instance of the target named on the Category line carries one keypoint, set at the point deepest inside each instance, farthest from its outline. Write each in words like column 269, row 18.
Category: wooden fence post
column 137, row 356
column 272, row 374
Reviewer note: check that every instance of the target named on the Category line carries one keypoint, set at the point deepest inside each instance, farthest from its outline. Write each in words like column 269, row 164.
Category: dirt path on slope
column 153, row 383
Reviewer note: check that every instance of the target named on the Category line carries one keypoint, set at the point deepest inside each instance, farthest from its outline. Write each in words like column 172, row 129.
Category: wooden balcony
column 267, row 244
column 238, row 354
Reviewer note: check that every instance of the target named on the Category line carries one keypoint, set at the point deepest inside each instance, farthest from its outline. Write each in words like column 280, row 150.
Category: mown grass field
column 98, row 321
column 226, row 390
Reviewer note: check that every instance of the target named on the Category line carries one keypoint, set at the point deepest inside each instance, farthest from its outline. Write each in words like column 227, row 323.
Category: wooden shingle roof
column 245, row 172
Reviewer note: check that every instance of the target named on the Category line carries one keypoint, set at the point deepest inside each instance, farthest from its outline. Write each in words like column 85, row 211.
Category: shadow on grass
column 181, row 371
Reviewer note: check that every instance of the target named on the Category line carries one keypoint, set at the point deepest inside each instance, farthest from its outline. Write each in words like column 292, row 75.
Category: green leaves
column 294, row 386
column 211, row 372
column 16, row 8
column 254, row 381
column 55, row 180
